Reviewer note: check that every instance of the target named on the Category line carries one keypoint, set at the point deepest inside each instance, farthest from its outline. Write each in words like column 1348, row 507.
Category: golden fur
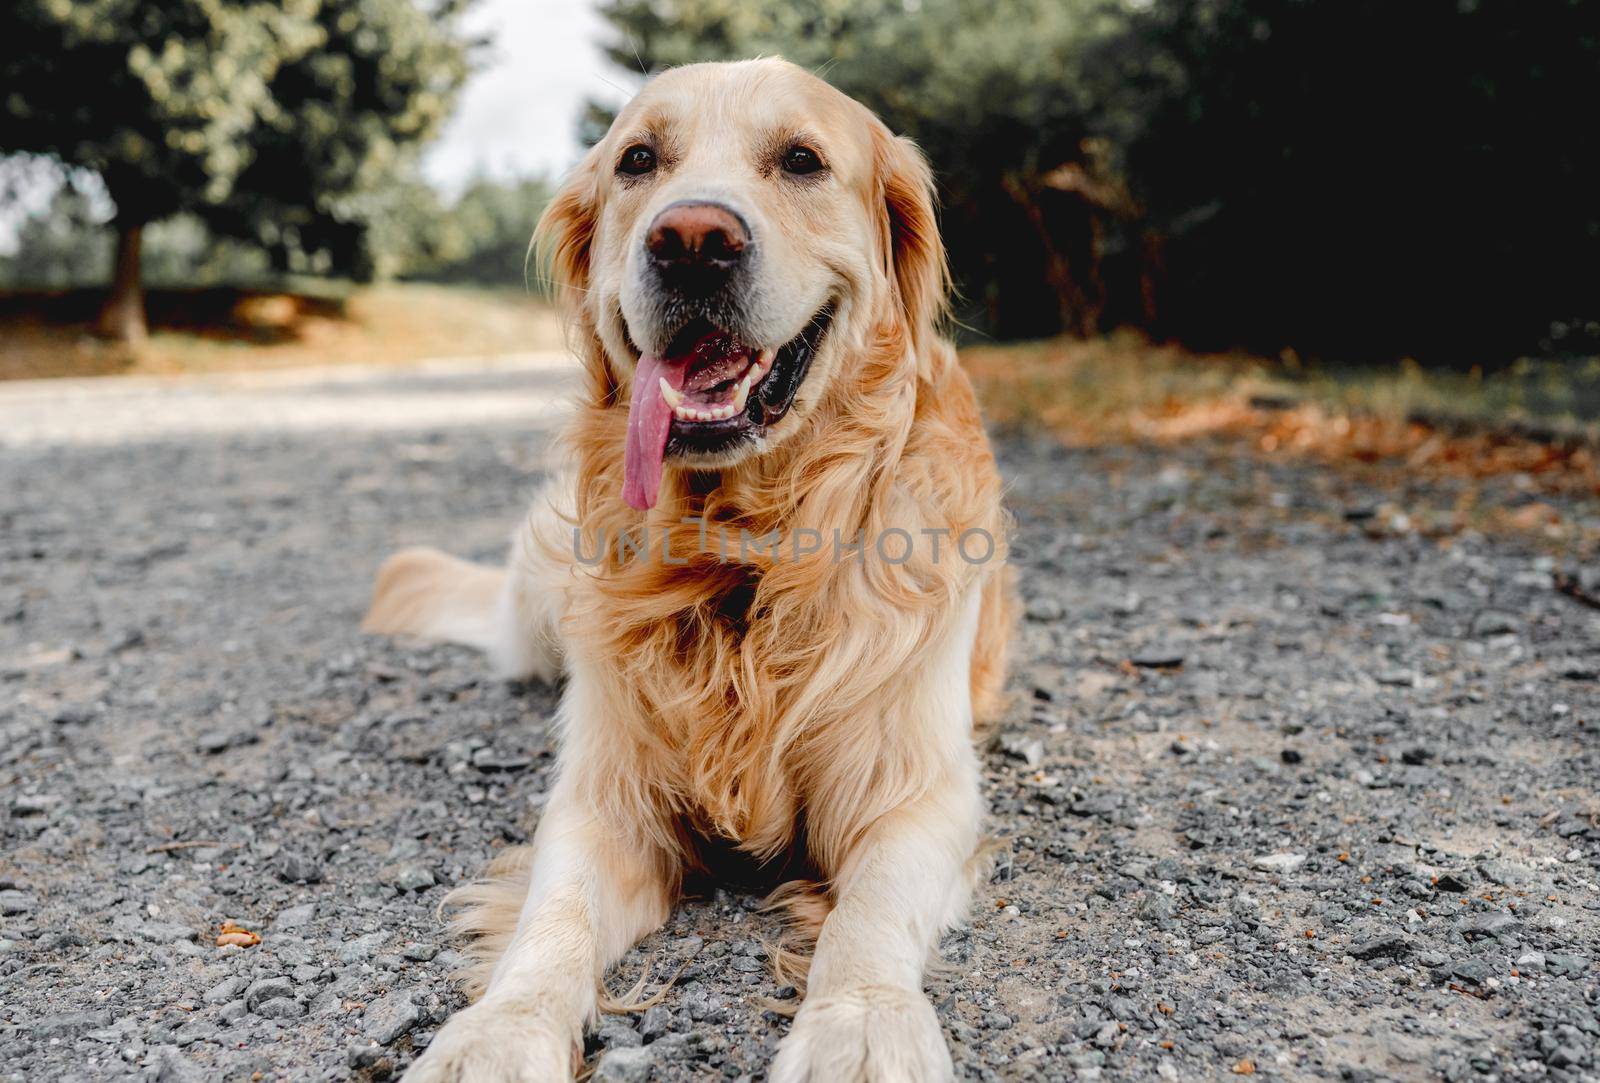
column 789, row 705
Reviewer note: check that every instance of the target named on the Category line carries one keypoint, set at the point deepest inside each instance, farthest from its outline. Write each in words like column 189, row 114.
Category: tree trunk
column 122, row 318
column 1076, row 315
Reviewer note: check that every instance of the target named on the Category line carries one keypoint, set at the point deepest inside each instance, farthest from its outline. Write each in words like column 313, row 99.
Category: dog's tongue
column 649, row 418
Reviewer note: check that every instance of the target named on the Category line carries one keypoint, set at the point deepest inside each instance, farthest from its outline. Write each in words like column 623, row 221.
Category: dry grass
column 256, row 330
column 1467, row 425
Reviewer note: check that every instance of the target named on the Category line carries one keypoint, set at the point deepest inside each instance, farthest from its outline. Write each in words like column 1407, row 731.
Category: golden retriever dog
column 772, row 578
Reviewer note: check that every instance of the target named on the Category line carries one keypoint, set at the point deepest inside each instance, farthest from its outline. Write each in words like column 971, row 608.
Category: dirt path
column 1288, row 788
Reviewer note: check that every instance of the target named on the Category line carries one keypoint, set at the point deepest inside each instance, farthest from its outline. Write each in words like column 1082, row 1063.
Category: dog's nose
column 696, row 246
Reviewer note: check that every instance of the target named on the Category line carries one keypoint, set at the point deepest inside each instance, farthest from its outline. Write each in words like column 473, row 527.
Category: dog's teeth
column 673, row 396
column 741, row 392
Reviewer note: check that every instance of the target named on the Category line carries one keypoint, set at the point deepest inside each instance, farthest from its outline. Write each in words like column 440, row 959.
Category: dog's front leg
column 865, row 1018
column 596, row 888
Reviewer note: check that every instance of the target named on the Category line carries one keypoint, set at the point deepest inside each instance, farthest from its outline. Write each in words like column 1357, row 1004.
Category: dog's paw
column 496, row 1043
column 875, row 1034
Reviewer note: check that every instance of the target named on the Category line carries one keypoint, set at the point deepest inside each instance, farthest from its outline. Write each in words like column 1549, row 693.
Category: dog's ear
column 562, row 239
column 913, row 251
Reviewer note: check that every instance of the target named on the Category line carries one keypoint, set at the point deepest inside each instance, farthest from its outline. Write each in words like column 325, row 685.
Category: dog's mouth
column 706, row 394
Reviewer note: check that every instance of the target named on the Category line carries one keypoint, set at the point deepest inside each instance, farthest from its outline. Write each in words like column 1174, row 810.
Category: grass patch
column 1121, row 386
column 1537, row 420
column 232, row 329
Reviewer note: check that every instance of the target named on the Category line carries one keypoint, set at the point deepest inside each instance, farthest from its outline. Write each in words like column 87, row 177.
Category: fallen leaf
column 237, row 935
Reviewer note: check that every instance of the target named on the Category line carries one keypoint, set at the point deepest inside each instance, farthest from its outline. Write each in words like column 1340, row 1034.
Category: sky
column 518, row 115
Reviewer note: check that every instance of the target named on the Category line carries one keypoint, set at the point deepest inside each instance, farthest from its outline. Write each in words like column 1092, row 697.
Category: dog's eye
column 636, row 160
column 801, row 160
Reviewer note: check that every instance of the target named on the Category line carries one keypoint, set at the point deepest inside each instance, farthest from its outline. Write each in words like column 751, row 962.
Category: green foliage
column 1366, row 176
column 270, row 120
column 353, row 113
column 157, row 97
column 993, row 90
column 1353, row 177
column 481, row 238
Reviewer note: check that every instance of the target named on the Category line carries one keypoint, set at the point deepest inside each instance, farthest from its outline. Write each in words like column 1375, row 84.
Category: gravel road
column 1290, row 787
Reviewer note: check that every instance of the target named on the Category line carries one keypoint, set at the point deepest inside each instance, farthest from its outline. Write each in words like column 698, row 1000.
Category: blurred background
column 1391, row 209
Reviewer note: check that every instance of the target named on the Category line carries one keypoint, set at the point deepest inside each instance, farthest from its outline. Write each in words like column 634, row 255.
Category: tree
column 994, row 91
column 352, row 113
column 204, row 105
column 1345, row 177
column 1367, row 178
column 482, row 237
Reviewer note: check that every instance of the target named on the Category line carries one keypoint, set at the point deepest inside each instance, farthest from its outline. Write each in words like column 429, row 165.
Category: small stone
column 214, row 741
column 1531, row 961
column 280, row 1008
column 267, row 989
column 413, row 876
column 1566, row 1056
column 624, row 1065
column 1022, row 746
column 492, row 760
column 34, row 804
column 172, row 1067
column 390, row 1017
column 1158, row 656
column 615, row 1034
column 420, row 953
column 298, row 868
column 362, row 948
column 1505, row 873
column 1495, row 925
column 225, row 990
column 1493, row 622
column 656, row 1022
column 1283, row 864
column 1043, row 610
column 68, row 1023
column 1579, row 669
column 1156, row 908
column 703, row 1006
column 16, row 902
column 294, row 917
column 1561, row 964
column 1385, row 946
column 1290, row 756
column 362, row 1056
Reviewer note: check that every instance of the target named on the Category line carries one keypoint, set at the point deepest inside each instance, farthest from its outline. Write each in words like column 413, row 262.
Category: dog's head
column 742, row 230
